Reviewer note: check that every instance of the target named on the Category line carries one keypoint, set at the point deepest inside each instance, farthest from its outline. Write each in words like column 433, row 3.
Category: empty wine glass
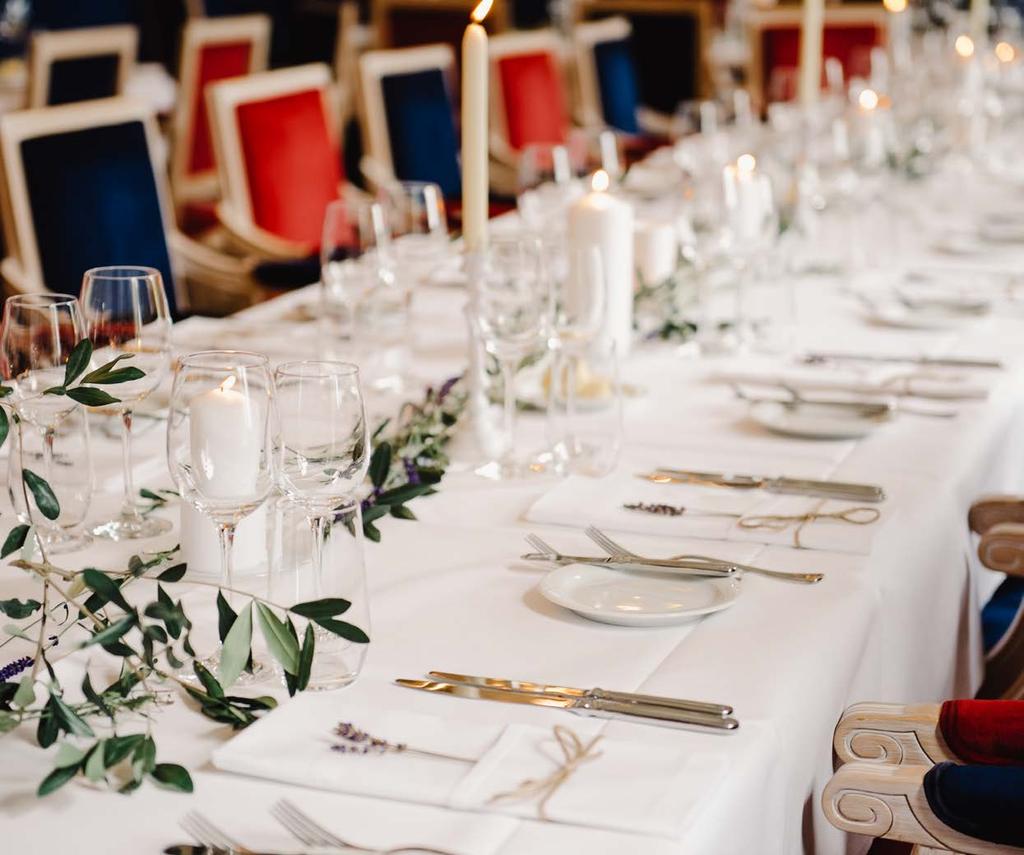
column 512, row 310
column 419, row 227
column 126, row 315
column 547, row 185
column 40, row 331
column 222, row 438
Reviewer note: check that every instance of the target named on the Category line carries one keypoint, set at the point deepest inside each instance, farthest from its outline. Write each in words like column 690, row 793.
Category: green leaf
column 380, row 464
column 18, row 609
column 48, row 728
column 16, row 536
column 402, row 512
column 236, row 649
column 282, row 646
column 345, row 630
column 173, row 574
column 78, row 361
column 46, row 501
column 56, row 390
column 306, row 658
column 72, row 722
column 91, row 397
column 375, row 512
column 94, row 769
column 321, row 608
column 225, row 616
column 5, row 426
column 26, row 694
column 8, row 721
column 213, row 688
column 94, row 697
column 56, row 779
column 172, row 776
column 113, row 632
column 116, row 748
column 120, row 375
column 102, row 584
column 370, row 531
column 104, row 369
column 144, row 757
column 68, row 755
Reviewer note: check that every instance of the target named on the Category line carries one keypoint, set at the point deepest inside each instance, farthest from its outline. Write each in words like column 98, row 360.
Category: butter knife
column 668, row 565
column 814, row 357
column 782, row 485
column 585, row 706
column 569, row 691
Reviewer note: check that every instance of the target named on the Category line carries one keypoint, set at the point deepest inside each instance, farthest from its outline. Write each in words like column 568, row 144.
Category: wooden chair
column 276, row 137
column 407, row 116
column 607, row 91
column 212, row 49
column 850, row 32
column 680, row 29
column 65, row 66
column 84, row 186
column 351, row 41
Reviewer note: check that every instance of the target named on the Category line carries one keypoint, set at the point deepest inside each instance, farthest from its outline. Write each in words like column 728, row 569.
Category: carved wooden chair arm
column 891, row 735
column 250, row 238
column 889, row 802
column 993, row 510
column 1001, row 548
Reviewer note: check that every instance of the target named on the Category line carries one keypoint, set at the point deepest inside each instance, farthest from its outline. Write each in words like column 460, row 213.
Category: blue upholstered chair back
column 421, row 129
column 94, row 202
column 617, row 82
column 82, row 78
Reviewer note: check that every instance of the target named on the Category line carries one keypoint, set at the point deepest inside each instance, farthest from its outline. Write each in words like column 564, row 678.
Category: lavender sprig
column 356, row 741
column 13, row 669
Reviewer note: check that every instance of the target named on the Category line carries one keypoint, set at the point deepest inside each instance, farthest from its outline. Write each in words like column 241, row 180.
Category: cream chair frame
column 235, row 208
column 197, row 34
column 22, row 268
column 378, row 164
column 49, row 46
column 353, row 39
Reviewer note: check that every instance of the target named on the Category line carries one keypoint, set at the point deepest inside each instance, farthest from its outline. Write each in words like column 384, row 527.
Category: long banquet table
column 446, row 592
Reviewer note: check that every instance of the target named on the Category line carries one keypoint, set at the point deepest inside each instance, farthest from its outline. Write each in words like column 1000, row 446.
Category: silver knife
column 667, row 565
column 785, row 486
column 597, row 707
column 945, row 361
column 569, row 691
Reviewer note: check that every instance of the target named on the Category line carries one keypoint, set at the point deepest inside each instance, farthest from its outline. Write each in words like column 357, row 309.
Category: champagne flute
column 126, row 314
column 222, row 438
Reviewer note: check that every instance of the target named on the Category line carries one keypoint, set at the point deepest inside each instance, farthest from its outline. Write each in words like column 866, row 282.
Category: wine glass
column 222, row 438
column 324, row 441
column 512, row 309
column 415, row 211
column 40, row 331
column 547, row 185
column 126, row 315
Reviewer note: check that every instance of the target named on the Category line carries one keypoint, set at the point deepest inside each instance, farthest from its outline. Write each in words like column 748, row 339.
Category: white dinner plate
column 922, row 318
column 813, row 421
column 636, row 599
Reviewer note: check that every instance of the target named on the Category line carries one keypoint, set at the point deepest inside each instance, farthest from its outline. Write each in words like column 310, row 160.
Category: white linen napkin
column 604, row 500
column 622, row 785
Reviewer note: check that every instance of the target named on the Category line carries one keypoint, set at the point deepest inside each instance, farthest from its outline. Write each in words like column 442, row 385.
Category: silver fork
column 616, row 550
column 670, row 565
column 309, row 832
column 210, row 835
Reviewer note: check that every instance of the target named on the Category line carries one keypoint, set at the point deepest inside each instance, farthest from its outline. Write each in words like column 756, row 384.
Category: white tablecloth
column 899, row 624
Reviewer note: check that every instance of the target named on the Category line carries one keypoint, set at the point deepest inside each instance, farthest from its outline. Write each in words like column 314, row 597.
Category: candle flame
column 895, row 5
column 600, row 182
column 964, row 46
column 228, row 383
column 481, row 10
column 868, row 99
column 1005, row 52
column 746, row 163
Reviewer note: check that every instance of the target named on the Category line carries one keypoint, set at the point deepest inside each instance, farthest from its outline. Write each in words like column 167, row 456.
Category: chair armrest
column 376, row 174
column 992, row 510
column 1002, row 548
column 252, row 239
column 654, row 123
column 891, row 735
column 889, row 802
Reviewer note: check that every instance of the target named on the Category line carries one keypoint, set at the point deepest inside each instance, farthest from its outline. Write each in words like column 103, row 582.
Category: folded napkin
column 767, row 518
column 628, row 786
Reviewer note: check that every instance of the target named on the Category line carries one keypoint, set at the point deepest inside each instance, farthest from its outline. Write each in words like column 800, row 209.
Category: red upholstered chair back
column 849, row 43
column 533, row 97
column 216, row 62
column 292, row 163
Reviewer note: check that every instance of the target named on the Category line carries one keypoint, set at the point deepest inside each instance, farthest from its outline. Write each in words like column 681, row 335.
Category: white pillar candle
column 226, row 435
column 656, row 247
column 599, row 219
column 474, row 131
column 899, row 32
column 872, row 130
column 811, row 35
column 745, row 198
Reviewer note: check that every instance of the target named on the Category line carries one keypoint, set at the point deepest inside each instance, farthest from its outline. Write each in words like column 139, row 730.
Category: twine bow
column 780, row 522
column 574, row 754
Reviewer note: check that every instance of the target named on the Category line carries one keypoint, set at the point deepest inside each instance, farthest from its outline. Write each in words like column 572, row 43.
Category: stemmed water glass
column 222, row 438
column 418, row 223
column 127, row 316
column 512, row 309
column 547, row 185
column 40, row 331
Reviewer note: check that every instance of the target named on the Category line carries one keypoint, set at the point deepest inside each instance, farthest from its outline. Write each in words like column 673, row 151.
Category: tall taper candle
column 474, row 131
column 980, row 10
column 811, row 33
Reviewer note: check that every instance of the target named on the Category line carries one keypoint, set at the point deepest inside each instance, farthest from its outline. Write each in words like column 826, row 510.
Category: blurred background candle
column 811, row 27
column 744, row 198
column 474, row 131
column 599, row 219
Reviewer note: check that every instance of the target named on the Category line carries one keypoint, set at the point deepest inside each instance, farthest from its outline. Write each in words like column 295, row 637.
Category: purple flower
column 449, row 384
column 13, row 669
column 412, row 474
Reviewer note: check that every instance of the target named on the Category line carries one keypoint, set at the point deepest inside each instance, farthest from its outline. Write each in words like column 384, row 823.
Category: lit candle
column 899, row 32
column 226, row 435
column 474, row 130
column 874, row 137
column 599, row 219
column 745, row 197
column 811, row 33
column 979, row 21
